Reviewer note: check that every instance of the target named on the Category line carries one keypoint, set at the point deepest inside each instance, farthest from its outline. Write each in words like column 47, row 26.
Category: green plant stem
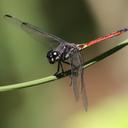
column 27, row 84
column 66, row 73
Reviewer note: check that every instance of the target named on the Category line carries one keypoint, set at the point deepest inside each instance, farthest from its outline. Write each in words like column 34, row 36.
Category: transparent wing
column 33, row 29
column 83, row 87
column 78, row 73
column 74, row 76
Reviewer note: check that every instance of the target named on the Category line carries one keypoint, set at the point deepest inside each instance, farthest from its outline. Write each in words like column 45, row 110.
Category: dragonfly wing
column 83, row 87
column 77, row 61
column 74, row 76
column 29, row 28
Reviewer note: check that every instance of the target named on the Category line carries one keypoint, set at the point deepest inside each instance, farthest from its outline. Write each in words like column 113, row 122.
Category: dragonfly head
column 53, row 56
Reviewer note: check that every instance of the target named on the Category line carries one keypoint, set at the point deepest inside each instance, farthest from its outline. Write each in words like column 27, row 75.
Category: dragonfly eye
column 52, row 56
column 56, row 55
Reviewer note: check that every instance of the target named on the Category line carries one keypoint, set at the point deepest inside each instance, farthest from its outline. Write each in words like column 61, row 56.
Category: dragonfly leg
column 66, row 62
column 58, row 69
column 69, row 63
column 62, row 67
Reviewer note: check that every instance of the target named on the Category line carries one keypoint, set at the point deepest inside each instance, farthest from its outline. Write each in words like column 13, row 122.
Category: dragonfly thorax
column 53, row 56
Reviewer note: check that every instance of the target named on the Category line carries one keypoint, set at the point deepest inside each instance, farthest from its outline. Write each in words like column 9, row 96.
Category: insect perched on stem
column 65, row 52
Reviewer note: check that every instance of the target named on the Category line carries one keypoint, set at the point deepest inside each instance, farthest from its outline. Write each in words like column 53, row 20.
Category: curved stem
column 66, row 73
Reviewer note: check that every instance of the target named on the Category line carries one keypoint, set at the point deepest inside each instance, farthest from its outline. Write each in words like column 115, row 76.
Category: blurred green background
column 23, row 59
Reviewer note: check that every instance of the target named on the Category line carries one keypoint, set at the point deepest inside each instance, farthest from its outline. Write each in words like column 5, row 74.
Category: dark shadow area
column 70, row 19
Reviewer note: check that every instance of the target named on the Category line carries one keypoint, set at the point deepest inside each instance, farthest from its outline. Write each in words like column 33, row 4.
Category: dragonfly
column 66, row 53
